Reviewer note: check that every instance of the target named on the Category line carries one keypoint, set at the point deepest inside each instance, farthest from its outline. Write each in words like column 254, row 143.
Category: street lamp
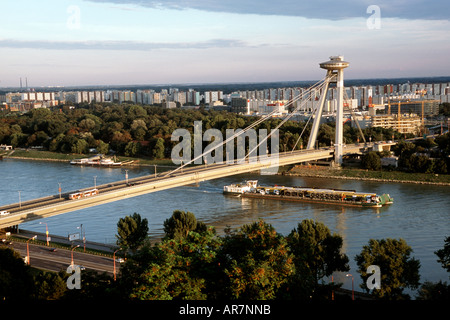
column 46, row 231
column 72, row 252
column 83, row 235
column 59, row 189
column 353, row 292
column 20, row 201
column 28, row 249
column 95, row 182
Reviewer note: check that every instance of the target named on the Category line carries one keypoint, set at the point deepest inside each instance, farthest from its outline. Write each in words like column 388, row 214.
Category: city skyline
column 129, row 42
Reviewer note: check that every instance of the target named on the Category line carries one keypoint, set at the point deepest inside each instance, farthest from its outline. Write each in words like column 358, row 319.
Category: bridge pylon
column 335, row 74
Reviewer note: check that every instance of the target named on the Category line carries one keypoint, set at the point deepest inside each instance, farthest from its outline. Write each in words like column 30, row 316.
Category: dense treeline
column 431, row 155
column 145, row 131
column 253, row 262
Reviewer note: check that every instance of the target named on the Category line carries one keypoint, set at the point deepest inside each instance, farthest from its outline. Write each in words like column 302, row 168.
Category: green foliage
column 313, row 243
column 444, row 255
column 49, row 286
column 132, row 149
column 439, row 291
column 444, row 109
column 443, row 143
column 178, row 269
column 425, row 155
column 16, row 280
column 257, row 262
column 317, row 255
column 132, row 231
column 398, row 270
column 180, row 224
column 125, row 126
column 253, row 262
column 79, row 146
column 158, row 149
column 371, row 161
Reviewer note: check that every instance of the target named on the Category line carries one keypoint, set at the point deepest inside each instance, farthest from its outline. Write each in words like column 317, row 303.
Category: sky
column 138, row 42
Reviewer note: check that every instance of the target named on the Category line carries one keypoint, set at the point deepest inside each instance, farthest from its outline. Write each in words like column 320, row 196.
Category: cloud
column 119, row 45
column 317, row 9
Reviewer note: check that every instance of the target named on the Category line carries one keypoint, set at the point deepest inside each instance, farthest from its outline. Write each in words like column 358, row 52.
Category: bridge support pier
column 336, row 67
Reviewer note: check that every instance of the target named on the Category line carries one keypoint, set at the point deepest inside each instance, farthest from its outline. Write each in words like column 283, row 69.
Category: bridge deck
column 54, row 205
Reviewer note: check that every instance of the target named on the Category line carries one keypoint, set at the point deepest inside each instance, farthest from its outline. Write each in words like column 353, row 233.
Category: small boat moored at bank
column 98, row 160
column 251, row 189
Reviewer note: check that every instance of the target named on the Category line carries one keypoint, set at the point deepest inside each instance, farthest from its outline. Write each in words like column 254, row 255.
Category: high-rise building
column 211, row 96
column 193, row 97
column 240, row 105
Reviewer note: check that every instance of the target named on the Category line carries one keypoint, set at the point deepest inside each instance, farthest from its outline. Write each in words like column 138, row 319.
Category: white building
column 211, row 96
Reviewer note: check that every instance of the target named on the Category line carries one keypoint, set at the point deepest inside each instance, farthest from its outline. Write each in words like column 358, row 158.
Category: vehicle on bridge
column 83, row 194
column 4, row 213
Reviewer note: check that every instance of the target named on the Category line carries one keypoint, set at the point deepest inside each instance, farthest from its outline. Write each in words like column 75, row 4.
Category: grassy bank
column 40, row 155
column 361, row 174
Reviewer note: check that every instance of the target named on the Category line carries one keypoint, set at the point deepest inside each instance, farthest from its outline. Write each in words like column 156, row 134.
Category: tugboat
column 251, row 189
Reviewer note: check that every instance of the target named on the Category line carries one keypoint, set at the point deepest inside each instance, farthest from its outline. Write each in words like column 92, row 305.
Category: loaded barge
column 251, row 189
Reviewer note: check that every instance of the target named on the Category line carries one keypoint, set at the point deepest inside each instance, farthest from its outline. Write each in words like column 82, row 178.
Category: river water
column 420, row 213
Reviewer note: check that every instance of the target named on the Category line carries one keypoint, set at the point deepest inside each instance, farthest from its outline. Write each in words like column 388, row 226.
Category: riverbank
column 40, row 155
column 297, row 170
column 362, row 174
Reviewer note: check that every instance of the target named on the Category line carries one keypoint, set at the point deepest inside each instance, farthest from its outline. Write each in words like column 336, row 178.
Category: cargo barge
column 251, row 189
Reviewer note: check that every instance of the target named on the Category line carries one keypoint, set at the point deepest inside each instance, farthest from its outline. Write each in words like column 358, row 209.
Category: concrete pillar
column 336, row 66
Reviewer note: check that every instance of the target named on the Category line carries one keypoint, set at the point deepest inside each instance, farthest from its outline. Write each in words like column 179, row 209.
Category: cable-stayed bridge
column 183, row 175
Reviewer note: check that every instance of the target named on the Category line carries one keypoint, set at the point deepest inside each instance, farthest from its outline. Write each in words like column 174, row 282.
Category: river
column 420, row 213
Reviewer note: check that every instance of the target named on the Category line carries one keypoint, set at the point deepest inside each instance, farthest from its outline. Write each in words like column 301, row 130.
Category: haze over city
column 126, row 42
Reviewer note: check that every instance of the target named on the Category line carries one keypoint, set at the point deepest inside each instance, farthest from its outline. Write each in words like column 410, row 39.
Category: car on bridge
column 4, row 213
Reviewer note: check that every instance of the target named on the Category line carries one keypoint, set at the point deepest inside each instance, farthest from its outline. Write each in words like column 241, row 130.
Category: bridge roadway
column 57, row 204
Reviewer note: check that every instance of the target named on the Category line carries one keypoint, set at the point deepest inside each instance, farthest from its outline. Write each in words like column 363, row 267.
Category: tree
column 444, row 255
column 371, row 161
column 317, row 255
column 158, row 149
column 180, row 223
column 404, row 150
column 420, row 163
column 179, row 269
column 257, row 262
column 139, row 129
column 439, row 291
column 132, row 149
column 79, row 146
column 16, row 281
column 132, row 231
column 102, row 147
column 49, row 286
column 398, row 270
column 87, row 124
